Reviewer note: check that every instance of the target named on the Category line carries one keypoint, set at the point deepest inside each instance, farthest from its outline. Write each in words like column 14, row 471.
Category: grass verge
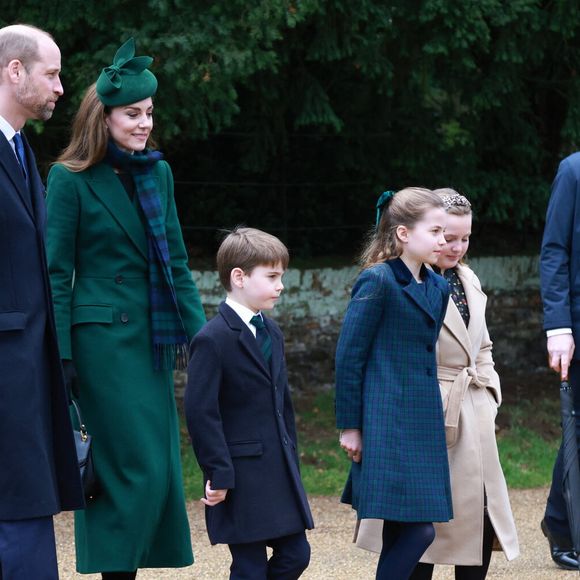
column 528, row 444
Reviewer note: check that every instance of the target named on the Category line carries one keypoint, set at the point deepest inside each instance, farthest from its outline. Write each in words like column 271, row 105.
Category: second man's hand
column 560, row 352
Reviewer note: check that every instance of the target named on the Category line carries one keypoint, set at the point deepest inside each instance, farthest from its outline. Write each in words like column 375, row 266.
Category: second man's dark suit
column 39, row 473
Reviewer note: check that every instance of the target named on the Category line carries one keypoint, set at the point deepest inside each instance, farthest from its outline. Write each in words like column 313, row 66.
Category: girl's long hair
column 405, row 208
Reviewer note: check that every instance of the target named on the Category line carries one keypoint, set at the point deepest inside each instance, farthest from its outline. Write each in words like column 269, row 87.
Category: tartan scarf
column 167, row 329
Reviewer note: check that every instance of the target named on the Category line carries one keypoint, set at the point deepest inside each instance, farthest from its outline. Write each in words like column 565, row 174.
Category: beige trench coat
column 471, row 395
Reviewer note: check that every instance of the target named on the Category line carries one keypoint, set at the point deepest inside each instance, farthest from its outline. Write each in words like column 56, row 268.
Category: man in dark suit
column 560, row 285
column 39, row 473
column 241, row 421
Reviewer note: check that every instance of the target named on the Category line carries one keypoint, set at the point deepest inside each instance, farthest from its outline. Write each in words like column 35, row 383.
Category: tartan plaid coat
column 386, row 386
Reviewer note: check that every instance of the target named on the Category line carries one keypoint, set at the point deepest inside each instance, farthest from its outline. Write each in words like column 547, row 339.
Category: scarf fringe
column 170, row 357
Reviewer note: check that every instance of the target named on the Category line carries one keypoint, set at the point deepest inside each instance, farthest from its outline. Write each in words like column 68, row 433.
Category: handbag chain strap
column 82, row 429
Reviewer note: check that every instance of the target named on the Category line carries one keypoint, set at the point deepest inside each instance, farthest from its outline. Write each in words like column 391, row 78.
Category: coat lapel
column 454, row 323
column 277, row 350
column 416, row 292
column 109, row 189
column 476, row 300
column 36, row 187
column 12, row 168
column 247, row 340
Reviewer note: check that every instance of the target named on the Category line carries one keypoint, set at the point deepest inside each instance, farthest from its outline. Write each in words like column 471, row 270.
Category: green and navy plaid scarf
column 168, row 332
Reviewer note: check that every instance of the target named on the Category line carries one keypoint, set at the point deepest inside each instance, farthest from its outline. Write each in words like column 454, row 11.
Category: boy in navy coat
column 241, row 421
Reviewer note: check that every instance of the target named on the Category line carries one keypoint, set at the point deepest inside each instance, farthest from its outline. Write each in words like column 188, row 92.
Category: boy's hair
column 406, row 207
column 247, row 248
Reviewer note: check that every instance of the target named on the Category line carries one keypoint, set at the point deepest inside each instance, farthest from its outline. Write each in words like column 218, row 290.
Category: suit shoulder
column 59, row 171
column 468, row 275
column 373, row 283
column 378, row 274
column 163, row 168
column 63, row 183
column 571, row 162
column 211, row 328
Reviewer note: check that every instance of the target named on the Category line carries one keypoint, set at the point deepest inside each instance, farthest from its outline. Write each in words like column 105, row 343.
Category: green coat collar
column 108, row 188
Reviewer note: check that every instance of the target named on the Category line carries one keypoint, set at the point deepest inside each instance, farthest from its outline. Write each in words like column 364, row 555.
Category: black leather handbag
column 83, row 442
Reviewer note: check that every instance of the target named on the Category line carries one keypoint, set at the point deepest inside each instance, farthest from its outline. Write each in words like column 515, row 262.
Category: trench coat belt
column 462, row 379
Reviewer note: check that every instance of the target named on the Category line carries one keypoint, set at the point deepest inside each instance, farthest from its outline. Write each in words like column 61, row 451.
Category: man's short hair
column 247, row 248
column 20, row 42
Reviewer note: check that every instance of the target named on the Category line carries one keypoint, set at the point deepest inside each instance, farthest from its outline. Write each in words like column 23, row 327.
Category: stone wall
column 313, row 304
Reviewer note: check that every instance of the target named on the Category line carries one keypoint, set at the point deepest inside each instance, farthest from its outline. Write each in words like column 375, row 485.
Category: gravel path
column 333, row 555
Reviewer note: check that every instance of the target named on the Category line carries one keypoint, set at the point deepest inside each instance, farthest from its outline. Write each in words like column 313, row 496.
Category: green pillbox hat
column 127, row 80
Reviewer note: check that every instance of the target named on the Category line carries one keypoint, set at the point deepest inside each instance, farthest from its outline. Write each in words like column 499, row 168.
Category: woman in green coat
column 126, row 307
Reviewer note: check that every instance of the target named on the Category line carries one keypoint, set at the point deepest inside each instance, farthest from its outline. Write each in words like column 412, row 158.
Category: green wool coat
column 98, row 263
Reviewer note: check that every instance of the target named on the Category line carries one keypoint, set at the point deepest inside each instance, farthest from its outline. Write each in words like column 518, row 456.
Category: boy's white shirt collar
column 243, row 312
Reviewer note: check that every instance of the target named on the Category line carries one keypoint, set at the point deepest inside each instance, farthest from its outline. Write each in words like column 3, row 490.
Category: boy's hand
column 213, row 496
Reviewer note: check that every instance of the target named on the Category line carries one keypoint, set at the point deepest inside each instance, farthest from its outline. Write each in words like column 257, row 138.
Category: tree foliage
column 295, row 114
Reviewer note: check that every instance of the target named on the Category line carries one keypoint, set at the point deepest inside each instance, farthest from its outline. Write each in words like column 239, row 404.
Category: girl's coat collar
column 423, row 297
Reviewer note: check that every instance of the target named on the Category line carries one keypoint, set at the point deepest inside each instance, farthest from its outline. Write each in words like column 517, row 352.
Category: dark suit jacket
column 241, row 422
column 560, row 255
column 39, row 473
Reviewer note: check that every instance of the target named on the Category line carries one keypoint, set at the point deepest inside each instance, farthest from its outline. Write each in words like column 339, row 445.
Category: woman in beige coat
column 471, row 395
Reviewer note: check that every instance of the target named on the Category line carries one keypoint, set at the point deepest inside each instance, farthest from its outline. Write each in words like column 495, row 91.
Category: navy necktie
column 19, row 146
column 263, row 337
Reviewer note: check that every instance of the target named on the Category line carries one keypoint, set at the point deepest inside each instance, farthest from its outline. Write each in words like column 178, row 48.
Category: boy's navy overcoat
column 39, row 473
column 386, row 386
column 241, row 421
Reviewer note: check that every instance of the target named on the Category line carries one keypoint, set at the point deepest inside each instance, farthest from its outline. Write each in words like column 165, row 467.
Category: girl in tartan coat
column 388, row 401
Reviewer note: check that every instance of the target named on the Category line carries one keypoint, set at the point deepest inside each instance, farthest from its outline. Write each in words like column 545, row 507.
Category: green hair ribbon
column 383, row 201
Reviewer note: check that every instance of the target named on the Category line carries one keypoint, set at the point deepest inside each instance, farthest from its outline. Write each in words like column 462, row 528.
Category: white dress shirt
column 243, row 312
column 9, row 133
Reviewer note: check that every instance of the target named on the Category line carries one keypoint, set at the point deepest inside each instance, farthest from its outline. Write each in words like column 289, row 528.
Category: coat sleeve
column 363, row 316
column 484, row 358
column 63, row 210
column 189, row 301
column 557, row 246
column 202, row 412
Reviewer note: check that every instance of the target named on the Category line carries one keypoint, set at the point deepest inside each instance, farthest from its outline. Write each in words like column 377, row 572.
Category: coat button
column 431, row 323
column 429, row 372
column 118, row 279
column 285, row 441
column 124, row 317
column 429, row 348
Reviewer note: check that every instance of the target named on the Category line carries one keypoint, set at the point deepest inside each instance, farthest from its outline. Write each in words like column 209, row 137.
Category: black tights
column 403, row 546
column 119, row 575
column 425, row 571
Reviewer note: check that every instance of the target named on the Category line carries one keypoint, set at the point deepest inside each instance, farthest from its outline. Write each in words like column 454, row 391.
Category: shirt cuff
column 556, row 331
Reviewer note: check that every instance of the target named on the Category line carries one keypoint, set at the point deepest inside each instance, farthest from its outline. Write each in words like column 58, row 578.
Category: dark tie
column 263, row 337
column 19, row 146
